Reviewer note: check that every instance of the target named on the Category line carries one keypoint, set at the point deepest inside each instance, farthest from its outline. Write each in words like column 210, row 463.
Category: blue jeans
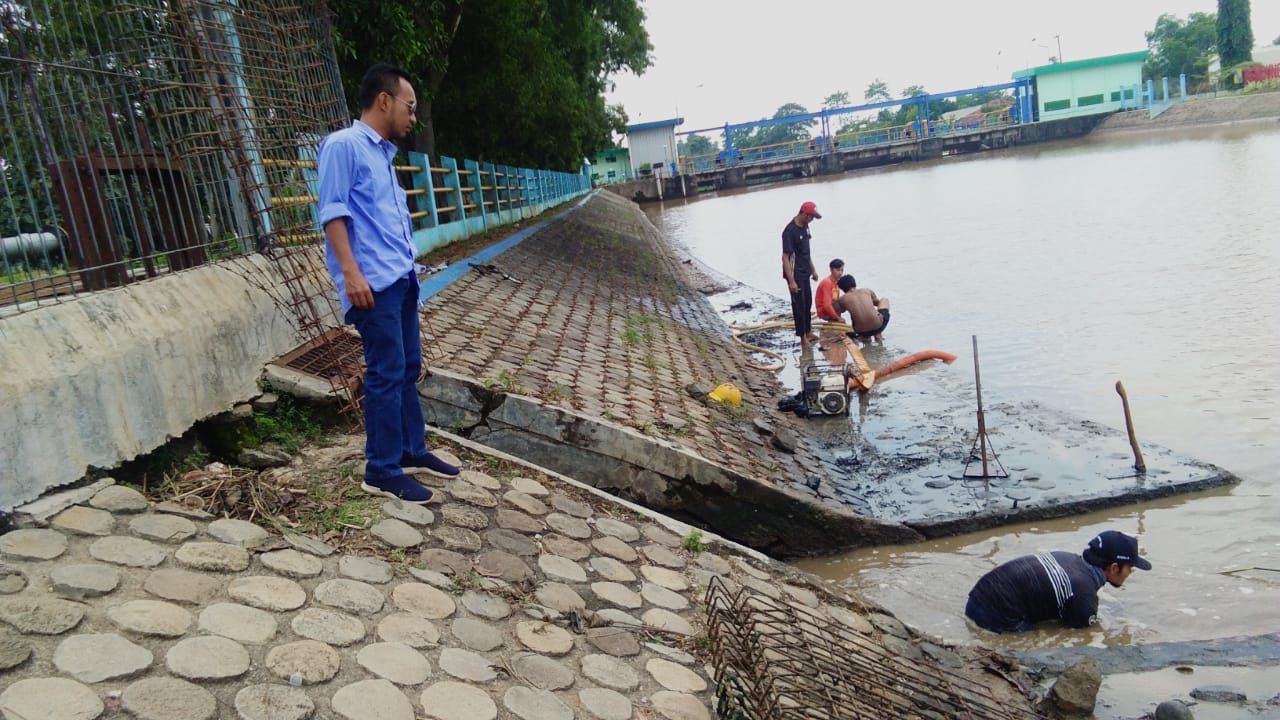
column 393, row 423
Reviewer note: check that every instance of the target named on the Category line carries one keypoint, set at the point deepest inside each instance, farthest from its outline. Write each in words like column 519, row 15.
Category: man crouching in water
column 868, row 314
column 1055, row 585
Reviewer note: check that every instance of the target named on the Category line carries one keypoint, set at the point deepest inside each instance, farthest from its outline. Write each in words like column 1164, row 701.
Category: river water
column 1148, row 258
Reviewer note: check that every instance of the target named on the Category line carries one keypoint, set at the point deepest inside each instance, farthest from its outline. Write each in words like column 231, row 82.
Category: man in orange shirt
column 825, row 296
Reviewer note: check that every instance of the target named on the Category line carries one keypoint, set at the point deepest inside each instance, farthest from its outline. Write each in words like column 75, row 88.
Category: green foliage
column 518, row 82
column 1179, row 46
column 337, row 503
column 877, row 91
column 836, row 100
column 638, row 329
column 775, row 134
column 693, row 541
column 527, row 79
column 508, row 381
column 696, row 145
column 1234, row 32
column 289, row 425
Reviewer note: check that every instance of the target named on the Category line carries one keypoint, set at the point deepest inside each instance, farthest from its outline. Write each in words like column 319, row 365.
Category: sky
column 716, row 61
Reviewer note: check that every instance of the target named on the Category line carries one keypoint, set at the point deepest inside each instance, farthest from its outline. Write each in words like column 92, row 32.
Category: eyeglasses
column 413, row 106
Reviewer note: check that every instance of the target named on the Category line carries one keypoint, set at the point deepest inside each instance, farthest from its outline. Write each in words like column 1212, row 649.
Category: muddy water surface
column 1151, row 259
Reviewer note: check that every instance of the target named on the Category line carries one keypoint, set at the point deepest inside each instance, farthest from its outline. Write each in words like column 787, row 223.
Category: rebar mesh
column 146, row 136
column 781, row 661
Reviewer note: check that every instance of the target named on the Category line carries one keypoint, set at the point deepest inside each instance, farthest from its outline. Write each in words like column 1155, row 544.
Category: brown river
column 1148, row 258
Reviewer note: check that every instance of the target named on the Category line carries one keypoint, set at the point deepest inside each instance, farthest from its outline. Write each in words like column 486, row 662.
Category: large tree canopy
column 1181, row 46
column 519, row 82
column 1235, row 32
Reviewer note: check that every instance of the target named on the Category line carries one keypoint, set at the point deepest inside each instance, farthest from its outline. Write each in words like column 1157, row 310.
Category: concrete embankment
column 1200, row 110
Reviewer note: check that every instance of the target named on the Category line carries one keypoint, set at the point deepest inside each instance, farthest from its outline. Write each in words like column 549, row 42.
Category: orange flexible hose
column 914, row 358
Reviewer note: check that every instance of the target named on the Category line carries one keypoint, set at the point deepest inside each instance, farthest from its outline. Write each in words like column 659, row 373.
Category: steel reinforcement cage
column 147, row 136
column 776, row 660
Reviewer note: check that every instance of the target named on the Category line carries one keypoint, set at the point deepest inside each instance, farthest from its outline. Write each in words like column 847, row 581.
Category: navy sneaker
column 431, row 464
column 400, row 487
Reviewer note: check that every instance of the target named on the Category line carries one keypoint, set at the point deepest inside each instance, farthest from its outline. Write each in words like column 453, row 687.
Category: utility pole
column 1059, row 39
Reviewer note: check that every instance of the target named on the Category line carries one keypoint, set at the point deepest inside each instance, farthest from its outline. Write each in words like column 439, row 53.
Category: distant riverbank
column 1200, row 110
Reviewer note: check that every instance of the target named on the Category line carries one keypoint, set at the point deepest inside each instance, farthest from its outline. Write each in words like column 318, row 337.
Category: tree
column 414, row 35
column 836, row 100
column 520, row 82
column 696, row 145
column 877, row 91
column 1181, row 46
column 775, row 134
column 913, row 91
column 1234, row 32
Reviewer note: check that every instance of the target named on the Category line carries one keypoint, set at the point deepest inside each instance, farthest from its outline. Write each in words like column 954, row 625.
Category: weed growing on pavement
column 557, row 392
column 337, row 503
column 693, row 541
column 288, row 424
column 507, row 380
column 637, row 329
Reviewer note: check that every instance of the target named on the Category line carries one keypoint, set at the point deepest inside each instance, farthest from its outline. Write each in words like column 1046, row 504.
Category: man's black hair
column 847, row 283
column 837, row 263
column 380, row 79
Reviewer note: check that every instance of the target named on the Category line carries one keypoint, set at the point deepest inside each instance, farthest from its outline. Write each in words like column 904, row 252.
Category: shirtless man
column 868, row 314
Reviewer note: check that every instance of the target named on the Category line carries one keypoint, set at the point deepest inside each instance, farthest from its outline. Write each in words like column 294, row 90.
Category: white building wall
column 656, row 147
column 1073, row 85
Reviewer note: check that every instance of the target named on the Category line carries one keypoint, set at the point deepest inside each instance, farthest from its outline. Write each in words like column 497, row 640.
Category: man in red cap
column 798, row 269
column 1053, row 586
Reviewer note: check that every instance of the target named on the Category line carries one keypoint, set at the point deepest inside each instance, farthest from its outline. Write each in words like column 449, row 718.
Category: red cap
column 810, row 209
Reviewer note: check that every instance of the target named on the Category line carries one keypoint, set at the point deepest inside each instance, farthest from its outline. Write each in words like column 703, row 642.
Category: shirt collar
column 383, row 144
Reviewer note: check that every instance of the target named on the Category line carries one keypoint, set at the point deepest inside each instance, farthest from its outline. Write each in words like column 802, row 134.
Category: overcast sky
column 717, row 61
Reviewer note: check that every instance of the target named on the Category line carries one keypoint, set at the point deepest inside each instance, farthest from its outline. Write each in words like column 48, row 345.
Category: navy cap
column 1112, row 546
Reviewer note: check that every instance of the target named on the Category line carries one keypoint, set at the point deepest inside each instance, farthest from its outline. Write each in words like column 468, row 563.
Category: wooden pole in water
column 1138, row 463
column 982, row 424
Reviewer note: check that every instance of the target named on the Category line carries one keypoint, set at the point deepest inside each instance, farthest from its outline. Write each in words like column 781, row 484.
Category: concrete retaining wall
column 652, row 472
column 103, row 378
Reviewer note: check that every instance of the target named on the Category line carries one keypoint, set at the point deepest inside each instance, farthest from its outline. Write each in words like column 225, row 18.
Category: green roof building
column 1087, row 87
column 611, row 166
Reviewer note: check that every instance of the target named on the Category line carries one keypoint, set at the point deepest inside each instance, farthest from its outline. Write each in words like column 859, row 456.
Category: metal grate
column 336, row 357
column 779, row 661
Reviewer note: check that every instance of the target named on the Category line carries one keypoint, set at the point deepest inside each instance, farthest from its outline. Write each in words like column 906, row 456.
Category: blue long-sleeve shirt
column 1034, row 588
column 358, row 183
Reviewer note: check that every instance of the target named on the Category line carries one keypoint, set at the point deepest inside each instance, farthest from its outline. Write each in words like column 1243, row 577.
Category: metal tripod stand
column 981, row 443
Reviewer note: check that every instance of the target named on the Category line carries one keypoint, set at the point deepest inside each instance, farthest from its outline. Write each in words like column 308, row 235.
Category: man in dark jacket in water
column 1053, row 586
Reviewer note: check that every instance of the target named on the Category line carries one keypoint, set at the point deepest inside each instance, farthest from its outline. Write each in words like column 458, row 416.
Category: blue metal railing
column 455, row 199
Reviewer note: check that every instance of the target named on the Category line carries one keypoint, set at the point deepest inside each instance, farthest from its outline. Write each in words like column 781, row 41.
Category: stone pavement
column 514, row 597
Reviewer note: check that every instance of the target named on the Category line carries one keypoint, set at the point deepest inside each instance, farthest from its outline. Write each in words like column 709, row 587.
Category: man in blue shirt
column 370, row 253
column 1053, row 586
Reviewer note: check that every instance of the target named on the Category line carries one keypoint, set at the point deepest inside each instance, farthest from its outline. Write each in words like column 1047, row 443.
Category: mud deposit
column 908, row 450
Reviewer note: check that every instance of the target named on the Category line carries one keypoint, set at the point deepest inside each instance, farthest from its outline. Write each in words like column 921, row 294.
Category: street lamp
column 1057, row 38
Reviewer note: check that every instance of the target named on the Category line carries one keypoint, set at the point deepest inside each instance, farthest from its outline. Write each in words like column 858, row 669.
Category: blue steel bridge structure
column 827, row 142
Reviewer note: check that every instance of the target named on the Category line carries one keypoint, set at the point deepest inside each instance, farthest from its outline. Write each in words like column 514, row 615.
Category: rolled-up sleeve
column 334, row 162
